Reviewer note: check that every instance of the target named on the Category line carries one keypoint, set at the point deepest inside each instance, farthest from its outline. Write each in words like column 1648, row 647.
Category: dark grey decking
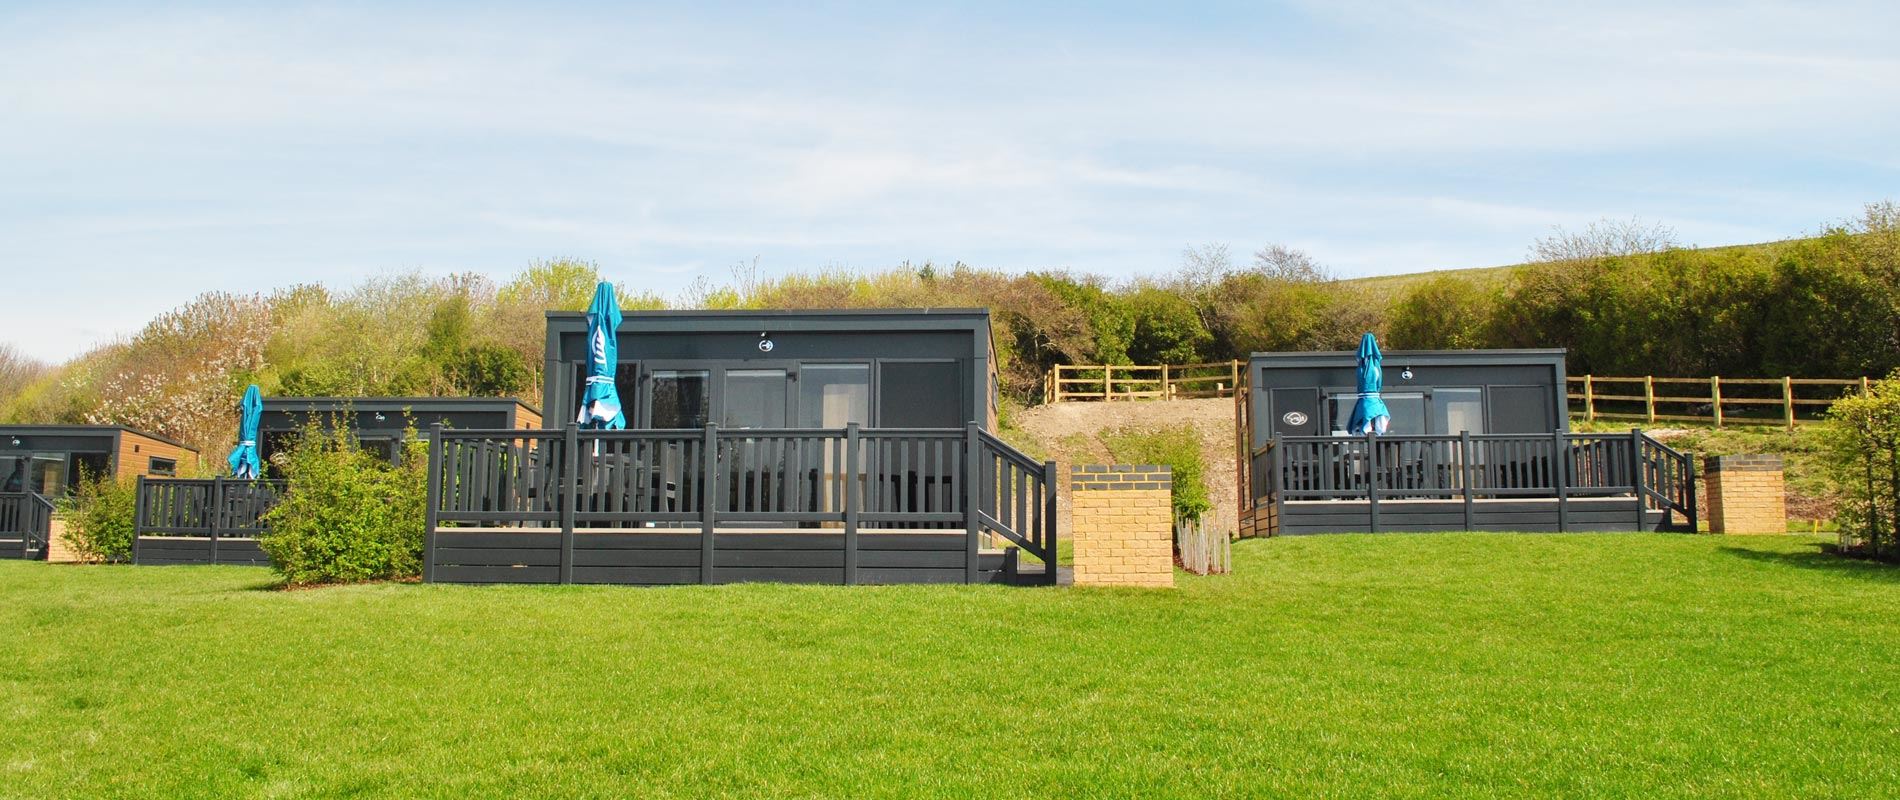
column 201, row 521
column 1490, row 482
column 843, row 506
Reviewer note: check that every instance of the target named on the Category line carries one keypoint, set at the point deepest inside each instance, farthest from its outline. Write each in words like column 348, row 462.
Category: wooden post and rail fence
column 1786, row 401
column 1142, row 382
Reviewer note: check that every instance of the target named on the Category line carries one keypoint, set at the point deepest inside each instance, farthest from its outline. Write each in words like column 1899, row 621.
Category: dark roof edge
column 786, row 312
column 1388, row 354
column 99, row 429
column 405, row 401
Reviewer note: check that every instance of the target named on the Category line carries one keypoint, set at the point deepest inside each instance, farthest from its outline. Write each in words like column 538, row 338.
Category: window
column 1407, row 410
column 755, row 398
column 1457, row 411
column 680, row 398
column 162, row 467
column 833, row 395
column 626, row 381
column 920, row 395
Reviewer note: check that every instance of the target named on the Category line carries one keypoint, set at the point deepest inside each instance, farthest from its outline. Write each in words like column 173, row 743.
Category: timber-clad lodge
column 861, row 447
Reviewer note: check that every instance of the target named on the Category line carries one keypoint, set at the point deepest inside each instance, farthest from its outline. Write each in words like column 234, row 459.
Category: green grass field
column 1409, row 666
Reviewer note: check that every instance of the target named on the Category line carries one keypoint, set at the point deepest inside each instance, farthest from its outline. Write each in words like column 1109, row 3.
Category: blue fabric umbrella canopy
column 1369, row 415
column 244, row 461
column 600, row 403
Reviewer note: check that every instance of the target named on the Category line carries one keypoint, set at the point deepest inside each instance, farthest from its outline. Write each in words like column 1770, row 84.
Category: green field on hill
column 1390, row 286
column 1398, row 665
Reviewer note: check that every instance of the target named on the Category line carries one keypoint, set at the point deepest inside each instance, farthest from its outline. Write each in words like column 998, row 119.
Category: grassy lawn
column 1410, row 666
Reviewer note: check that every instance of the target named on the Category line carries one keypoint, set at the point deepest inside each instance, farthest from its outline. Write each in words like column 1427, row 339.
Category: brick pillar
column 1745, row 494
column 1122, row 523
column 59, row 551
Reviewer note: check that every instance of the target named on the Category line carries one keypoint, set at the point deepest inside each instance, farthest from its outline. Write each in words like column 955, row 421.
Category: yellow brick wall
column 1122, row 523
column 1746, row 494
column 59, row 552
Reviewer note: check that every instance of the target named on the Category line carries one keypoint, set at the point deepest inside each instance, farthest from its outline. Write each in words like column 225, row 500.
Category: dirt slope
column 1071, row 433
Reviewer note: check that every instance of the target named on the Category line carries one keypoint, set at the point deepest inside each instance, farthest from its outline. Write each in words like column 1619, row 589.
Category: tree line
column 1622, row 297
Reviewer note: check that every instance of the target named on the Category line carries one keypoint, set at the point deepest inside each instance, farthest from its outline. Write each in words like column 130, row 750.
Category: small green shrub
column 1863, row 455
column 347, row 515
column 99, row 517
column 1179, row 448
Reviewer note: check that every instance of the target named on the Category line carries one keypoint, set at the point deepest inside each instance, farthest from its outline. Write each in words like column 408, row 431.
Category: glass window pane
column 755, row 398
column 920, row 395
column 46, row 474
column 834, row 395
column 1458, row 410
column 626, row 380
column 680, row 398
column 1407, row 410
column 13, row 474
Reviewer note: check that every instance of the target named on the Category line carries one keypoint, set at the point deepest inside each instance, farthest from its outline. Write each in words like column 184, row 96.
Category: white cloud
column 329, row 141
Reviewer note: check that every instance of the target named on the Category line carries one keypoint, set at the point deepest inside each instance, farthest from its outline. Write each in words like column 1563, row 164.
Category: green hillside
column 1494, row 277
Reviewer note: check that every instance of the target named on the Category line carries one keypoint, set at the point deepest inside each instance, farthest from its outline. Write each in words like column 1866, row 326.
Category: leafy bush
column 1863, row 449
column 99, row 517
column 1179, row 448
column 347, row 515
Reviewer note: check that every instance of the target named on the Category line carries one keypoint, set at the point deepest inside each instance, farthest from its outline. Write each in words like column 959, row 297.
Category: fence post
column 1372, row 483
column 1560, row 477
column 1715, row 398
column 1049, row 383
column 708, row 499
column 570, row 496
column 1276, row 486
column 216, row 514
column 1787, row 399
column 1464, row 463
column 850, row 503
column 434, row 502
column 1864, row 391
column 1052, row 544
column 1167, row 386
column 1649, row 399
column 972, row 500
column 139, row 508
column 1108, row 382
column 1589, row 398
column 1233, row 368
column 1637, row 466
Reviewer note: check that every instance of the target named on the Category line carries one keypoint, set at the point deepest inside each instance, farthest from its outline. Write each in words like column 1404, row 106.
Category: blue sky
column 149, row 154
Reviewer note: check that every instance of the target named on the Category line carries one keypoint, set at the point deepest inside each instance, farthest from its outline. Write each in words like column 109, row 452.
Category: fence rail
column 820, row 486
column 1067, row 382
column 1472, row 467
column 201, row 521
column 1786, row 401
column 26, row 521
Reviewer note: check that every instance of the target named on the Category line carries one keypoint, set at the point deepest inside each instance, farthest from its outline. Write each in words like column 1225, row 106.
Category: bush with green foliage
column 1178, row 448
column 347, row 515
column 1863, row 455
column 99, row 517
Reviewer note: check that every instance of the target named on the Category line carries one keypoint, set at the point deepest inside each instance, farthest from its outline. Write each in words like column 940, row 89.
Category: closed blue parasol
column 600, row 403
column 244, row 461
column 1369, row 415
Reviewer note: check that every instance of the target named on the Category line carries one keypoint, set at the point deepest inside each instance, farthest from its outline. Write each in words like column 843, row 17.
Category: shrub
column 347, row 515
column 99, row 517
column 1863, row 454
column 1179, row 448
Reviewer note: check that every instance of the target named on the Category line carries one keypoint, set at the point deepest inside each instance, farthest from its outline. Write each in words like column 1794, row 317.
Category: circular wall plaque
column 765, row 345
column 1294, row 418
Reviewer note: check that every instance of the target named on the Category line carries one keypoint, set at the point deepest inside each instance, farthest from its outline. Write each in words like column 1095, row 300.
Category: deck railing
column 26, row 522
column 1473, row 467
column 842, row 478
column 226, row 514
